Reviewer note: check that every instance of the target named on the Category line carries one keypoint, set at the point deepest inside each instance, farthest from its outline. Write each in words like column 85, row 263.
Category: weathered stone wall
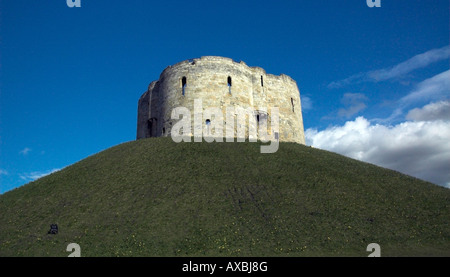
column 207, row 78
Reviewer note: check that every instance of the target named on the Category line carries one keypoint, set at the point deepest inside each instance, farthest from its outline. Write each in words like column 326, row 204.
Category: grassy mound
column 154, row 197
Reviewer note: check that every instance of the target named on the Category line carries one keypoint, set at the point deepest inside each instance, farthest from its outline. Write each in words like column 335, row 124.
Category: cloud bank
column 430, row 112
column 420, row 148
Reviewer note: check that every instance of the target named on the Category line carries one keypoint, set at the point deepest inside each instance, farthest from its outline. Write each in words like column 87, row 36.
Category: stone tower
column 220, row 82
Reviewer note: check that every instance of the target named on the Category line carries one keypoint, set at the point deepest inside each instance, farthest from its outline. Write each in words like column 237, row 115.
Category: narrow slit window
column 183, row 85
column 229, row 84
column 149, row 127
column 292, row 103
column 152, row 125
column 208, row 127
column 262, row 81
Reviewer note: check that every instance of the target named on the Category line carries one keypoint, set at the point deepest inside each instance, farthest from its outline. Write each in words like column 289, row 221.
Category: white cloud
column 37, row 174
column 354, row 103
column 25, row 151
column 416, row 148
column 433, row 88
column 3, row 172
column 416, row 62
column 430, row 112
column 306, row 103
column 397, row 71
column 357, row 78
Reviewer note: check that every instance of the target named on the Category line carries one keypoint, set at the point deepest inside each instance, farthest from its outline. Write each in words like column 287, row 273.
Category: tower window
column 262, row 81
column 151, row 126
column 208, row 126
column 183, row 84
column 229, row 81
column 292, row 103
column 261, row 116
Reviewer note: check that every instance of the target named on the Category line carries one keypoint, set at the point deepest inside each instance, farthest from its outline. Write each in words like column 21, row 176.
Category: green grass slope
column 154, row 197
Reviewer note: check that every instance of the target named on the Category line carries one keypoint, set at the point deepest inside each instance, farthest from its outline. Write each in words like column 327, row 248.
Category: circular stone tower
column 220, row 83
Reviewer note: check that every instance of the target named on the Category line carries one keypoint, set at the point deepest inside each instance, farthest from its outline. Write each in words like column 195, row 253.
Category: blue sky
column 374, row 81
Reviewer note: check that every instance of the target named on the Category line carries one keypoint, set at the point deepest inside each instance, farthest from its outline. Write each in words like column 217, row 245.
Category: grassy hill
column 154, row 197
